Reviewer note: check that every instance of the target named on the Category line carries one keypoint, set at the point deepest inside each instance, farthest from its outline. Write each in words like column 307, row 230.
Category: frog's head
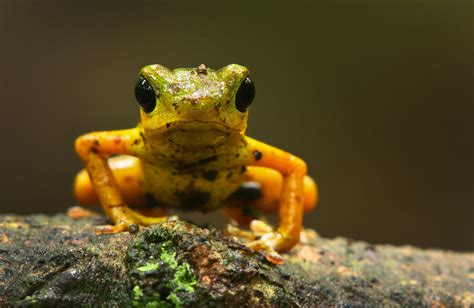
column 194, row 105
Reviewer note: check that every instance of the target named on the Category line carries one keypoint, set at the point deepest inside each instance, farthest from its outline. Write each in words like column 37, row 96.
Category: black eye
column 245, row 95
column 145, row 95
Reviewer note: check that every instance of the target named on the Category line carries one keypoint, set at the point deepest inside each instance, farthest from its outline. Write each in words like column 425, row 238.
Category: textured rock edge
column 53, row 260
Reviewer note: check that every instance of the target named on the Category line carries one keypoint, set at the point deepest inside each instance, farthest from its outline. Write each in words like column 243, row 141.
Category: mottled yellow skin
column 191, row 152
column 195, row 149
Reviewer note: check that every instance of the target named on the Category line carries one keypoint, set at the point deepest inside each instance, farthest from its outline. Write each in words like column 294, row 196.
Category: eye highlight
column 145, row 94
column 245, row 95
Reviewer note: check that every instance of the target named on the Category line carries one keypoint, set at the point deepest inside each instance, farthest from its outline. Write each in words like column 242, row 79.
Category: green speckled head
column 198, row 99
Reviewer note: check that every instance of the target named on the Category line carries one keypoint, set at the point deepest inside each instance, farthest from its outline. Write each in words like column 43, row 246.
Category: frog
column 190, row 152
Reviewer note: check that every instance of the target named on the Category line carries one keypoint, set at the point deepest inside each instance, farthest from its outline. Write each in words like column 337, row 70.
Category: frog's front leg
column 94, row 150
column 291, row 202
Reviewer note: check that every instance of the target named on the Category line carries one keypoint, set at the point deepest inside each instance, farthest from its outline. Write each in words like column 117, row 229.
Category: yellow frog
column 189, row 151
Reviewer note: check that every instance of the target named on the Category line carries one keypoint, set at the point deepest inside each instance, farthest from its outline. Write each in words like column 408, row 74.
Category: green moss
column 168, row 256
column 164, row 281
column 148, row 267
column 137, row 293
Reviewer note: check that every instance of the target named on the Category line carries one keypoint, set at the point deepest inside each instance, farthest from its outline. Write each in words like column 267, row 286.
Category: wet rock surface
column 54, row 260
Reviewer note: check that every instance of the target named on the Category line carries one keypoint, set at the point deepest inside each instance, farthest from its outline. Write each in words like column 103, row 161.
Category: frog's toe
column 131, row 223
column 268, row 241
column 239, row 233
column 78, row 212
column 108, row 229
column 146, row 220
column 274, row 257
column 260, row 227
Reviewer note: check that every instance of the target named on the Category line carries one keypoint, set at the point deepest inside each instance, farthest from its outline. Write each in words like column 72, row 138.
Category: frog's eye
column 145, row 95
column 245, row 95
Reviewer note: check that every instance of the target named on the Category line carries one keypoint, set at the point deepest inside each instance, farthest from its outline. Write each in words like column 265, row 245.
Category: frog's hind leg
column 128, row 173
column 260, row 194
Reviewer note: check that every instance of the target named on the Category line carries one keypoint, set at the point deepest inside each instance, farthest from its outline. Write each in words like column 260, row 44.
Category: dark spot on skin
column 237, row 155
column 150, row 201
column 217, row 107
column 229, row 175
column 192, row 199
column 227, row 102
column 136, row 141
column 210, row 175
column 182, row 166
column 168, row 125
column 133, row 228
column 248, row 191
column 175, row 105
column 94, row 150
column 258, row 155
column 117, row 140
column 143, row 137
column 250, row 211
column 243, row 169
column 193, row 101
column 96, row 142
column 170, row 140
column 175, row 88
column 207, row 160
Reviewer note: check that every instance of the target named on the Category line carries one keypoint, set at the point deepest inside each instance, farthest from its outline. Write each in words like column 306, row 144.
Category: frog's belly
column 196, row 189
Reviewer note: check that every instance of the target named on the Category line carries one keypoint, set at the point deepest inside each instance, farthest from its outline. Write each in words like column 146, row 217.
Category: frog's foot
column 127, row 219
column 270, row 243
column 78, row 212
column 233, row 230
column 257, row 229
column 262, row 237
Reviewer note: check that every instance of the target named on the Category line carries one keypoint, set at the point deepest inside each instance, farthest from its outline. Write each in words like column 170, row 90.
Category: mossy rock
column 56, row 261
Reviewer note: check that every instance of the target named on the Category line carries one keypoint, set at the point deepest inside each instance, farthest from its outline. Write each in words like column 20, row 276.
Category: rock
column 54, row 260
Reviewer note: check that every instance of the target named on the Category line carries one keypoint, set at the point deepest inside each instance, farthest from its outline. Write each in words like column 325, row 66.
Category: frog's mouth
column 196, row 133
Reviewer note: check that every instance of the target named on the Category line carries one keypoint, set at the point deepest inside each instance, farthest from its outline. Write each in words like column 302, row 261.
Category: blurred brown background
column 376, row 96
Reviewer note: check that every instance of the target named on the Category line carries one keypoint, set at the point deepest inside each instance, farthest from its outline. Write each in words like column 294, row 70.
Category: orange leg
column 291, row 201
column 128, row 174
column 95, row 149
column 270, row 184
